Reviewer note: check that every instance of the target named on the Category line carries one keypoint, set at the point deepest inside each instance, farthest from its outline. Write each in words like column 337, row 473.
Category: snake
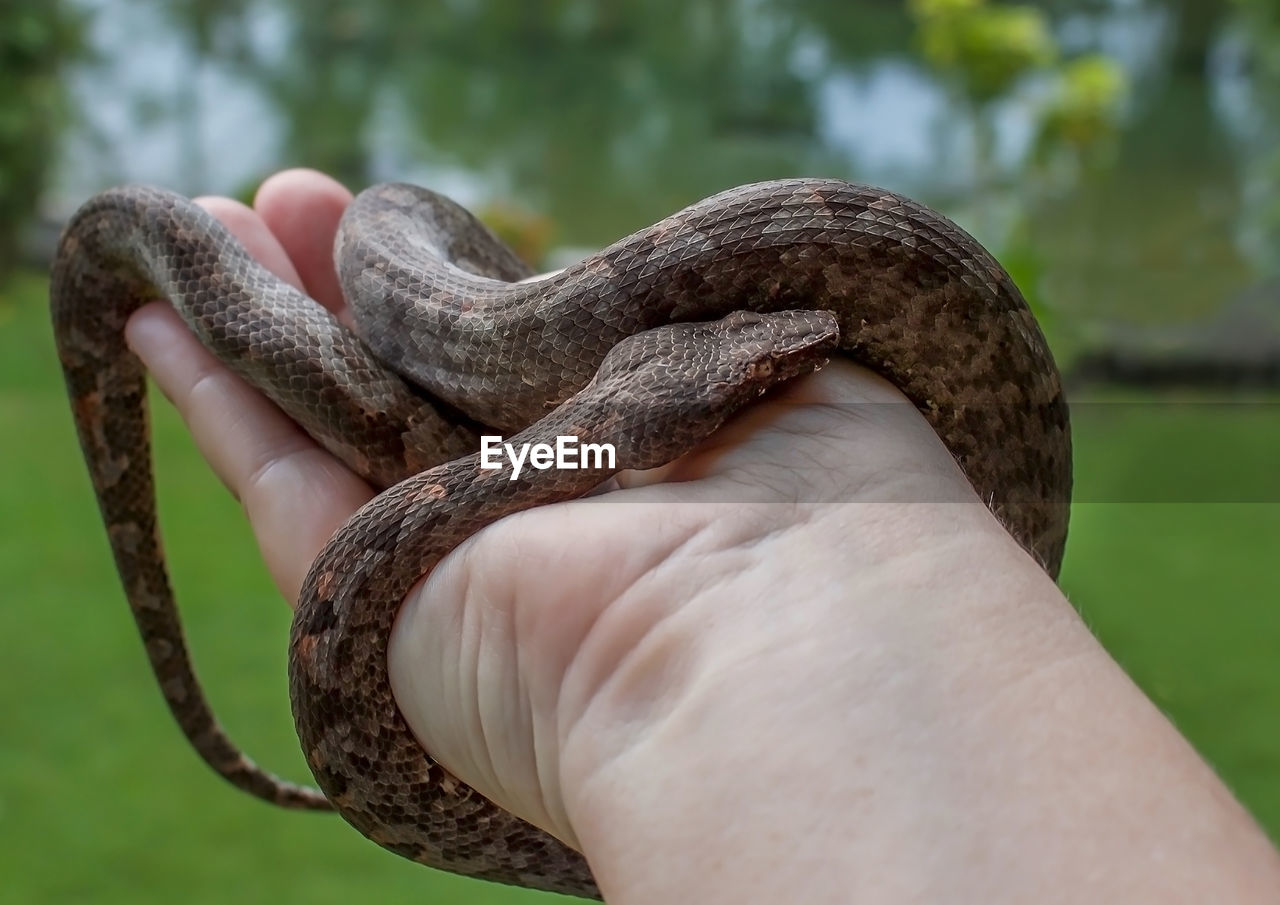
column 649, row 344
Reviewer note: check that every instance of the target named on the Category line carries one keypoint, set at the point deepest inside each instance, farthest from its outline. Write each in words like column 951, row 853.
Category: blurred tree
column 630, row 86
column 990, row 54
column 985, row 49
column 1259, row 28
column 379, row 88
column 215, row 30
column 554, row 102
column 1194, row 26
column 37, row 38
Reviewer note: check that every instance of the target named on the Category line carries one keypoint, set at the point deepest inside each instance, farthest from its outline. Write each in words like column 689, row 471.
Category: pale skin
column 846, row 685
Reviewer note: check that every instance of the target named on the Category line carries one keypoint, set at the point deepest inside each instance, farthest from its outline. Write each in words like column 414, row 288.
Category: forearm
column 938, row 729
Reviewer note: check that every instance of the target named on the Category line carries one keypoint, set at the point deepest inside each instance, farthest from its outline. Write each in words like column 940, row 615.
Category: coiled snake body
column 784, row 271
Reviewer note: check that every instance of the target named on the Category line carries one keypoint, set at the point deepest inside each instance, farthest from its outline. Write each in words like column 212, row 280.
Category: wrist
column 817, row 659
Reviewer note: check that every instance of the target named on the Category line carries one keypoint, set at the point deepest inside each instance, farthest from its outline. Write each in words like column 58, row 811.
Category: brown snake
column 909, row 294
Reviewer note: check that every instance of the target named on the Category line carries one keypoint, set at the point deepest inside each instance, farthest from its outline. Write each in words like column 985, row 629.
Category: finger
column 302, row 208
column 254, row 234
column 294, row 493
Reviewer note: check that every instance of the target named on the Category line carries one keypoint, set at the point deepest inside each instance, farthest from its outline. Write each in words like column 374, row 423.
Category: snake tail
column 107, row 384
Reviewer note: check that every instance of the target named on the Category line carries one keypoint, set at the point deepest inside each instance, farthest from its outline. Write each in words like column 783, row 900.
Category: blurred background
column 1120, row 157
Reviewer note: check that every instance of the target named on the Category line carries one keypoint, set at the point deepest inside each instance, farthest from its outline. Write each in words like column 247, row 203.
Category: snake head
column 665, row 390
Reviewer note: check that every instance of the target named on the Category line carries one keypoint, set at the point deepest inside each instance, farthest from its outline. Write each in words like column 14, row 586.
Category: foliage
column 989, row 52
column 529, row 234
column 1081, row 113
column 1260, row 29
column 988, row 49
column 37, row 37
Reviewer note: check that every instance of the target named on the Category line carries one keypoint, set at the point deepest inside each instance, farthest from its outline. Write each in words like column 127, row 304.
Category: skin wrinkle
column 562, row 818
column 299, row 445
column 593, row 659
column 513, row 545
column 469, row 625
column 788, row 515
column 542, row 753
column 639, row 686
column 493, row 723
column 634, row 625
column 494, row 733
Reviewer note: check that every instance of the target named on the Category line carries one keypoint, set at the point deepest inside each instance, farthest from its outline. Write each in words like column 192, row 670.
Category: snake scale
column 650, row 344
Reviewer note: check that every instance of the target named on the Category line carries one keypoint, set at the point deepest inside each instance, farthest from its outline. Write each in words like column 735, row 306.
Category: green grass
column 101, row 800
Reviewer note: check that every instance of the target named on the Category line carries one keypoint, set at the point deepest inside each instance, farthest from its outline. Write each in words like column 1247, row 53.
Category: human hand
column 776, row 645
